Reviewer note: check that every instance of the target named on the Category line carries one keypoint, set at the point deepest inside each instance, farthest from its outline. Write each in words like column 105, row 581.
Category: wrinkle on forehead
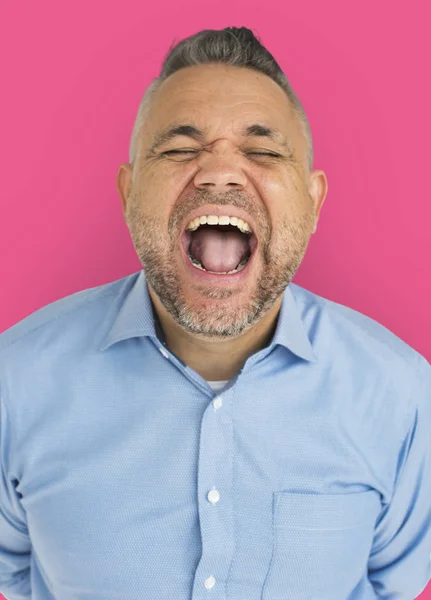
column 203, row 96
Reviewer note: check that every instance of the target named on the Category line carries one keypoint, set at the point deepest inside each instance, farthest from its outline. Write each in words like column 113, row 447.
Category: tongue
column 218, row 251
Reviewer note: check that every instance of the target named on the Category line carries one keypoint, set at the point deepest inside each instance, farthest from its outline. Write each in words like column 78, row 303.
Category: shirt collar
column 134, row 317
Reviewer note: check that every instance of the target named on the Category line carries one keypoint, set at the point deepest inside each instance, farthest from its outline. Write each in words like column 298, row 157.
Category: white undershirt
column 216, row 386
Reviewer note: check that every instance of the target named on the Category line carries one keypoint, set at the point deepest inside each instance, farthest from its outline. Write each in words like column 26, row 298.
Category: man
column 205, row 428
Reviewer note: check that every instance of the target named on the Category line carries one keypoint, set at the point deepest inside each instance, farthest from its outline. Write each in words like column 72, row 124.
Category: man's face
column 222, row 173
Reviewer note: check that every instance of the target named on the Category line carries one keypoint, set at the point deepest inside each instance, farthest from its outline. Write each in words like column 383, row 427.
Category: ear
column 124, row 183
column 317, row 188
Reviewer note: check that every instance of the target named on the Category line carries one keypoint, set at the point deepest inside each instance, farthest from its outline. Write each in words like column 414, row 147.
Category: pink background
column 72, row 77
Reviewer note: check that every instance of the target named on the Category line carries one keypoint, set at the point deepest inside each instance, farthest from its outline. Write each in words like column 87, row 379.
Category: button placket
column 215, row 467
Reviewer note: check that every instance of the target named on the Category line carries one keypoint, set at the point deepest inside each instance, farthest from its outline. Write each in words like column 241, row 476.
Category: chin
column 217, row 314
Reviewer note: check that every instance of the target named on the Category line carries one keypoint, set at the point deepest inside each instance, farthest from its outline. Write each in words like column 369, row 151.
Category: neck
column 215, row 359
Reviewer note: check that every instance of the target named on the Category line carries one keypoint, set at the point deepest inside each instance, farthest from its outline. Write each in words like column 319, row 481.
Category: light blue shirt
column 125, row 477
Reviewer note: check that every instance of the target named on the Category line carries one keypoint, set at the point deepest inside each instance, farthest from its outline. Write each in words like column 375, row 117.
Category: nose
column 219, row 170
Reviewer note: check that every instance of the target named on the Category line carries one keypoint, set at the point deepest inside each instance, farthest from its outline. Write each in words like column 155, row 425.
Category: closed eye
column 179, row 151
column 264, row 153
column 194, row 151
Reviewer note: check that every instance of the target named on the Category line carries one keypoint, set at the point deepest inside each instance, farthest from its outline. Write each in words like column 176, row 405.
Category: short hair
column 235, row 46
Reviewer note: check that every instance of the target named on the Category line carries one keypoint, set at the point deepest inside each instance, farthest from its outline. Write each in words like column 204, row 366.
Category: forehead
column 223, row 98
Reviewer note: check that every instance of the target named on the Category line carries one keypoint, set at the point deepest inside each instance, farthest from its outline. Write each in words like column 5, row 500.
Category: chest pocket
column 321, row 544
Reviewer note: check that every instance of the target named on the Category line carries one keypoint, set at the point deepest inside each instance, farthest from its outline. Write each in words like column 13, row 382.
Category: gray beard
column 280, row 266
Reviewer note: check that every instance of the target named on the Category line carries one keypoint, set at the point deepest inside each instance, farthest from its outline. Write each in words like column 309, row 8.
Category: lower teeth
column 241, row 265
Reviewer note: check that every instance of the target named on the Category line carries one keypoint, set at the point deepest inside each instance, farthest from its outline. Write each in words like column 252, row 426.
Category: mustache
column 200, row 198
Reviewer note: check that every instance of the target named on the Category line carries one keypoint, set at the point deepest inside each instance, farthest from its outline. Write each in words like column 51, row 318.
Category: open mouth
column 219, row 245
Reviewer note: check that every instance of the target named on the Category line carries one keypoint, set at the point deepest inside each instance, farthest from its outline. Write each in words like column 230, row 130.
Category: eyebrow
column 253, row 130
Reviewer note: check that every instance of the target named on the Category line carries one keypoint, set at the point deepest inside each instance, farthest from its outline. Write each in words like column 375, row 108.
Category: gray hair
column 231, row 46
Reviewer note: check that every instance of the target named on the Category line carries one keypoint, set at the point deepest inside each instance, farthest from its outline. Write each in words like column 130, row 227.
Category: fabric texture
column 125, row 476
column 217, row 386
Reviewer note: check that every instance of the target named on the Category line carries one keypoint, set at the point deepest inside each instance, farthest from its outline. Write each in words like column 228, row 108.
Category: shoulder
column 378, row 372
column 352, row 330
column 68, row 316
column 351, row 346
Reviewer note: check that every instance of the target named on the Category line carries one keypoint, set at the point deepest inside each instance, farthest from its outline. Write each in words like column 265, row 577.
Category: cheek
column 162, row 187
column 290, row 199
column 281, row 199
column 280, row 188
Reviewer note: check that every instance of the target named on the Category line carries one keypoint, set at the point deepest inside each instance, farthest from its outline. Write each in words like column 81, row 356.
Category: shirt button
column 217, row 402
column 213, row 496
column 210, row 582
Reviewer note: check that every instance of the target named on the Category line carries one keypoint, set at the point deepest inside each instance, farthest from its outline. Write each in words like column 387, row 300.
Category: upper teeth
column 214, row 220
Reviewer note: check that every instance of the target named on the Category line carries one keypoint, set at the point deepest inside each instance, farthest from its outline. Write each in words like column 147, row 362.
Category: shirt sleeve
column 399, row 565
column 15, row 547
